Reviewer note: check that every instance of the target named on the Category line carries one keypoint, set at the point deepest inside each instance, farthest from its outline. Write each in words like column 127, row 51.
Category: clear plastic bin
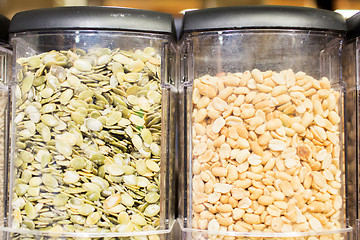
column 5, row 74
column 351, row 78
column 91, row 139
column 262, row 108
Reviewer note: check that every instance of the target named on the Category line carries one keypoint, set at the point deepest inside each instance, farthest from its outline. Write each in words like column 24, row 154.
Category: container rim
column 85, row 31
column 258, row 30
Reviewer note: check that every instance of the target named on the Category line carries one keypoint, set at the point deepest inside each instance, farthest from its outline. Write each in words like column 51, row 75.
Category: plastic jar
column 262, row 106
column 351, row 78
column 5, row 74
column 91, row 138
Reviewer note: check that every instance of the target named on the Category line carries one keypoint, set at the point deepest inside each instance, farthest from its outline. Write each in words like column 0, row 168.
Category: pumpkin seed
column 152, row 210
column 82, row 65
column 88, row 141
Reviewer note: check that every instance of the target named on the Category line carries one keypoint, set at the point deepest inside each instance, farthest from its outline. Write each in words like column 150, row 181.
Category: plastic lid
column 353, row 24
column 93, row 18
column 284, row 17
column 4, row 29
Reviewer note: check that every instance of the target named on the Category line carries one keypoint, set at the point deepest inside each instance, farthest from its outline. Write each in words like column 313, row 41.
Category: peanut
column 266, row 153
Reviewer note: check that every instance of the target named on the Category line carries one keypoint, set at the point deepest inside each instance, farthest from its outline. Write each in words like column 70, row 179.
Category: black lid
column 285, row 17
column 4, row 29
column 353, row 24
column 94, row 18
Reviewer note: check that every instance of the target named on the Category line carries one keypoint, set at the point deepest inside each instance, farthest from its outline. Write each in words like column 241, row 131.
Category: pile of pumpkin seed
column 87, row 154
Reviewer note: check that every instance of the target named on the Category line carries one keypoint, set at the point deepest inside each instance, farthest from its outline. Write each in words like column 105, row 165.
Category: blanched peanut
column 206, row 90
column 238, row 213
column 218, row 124
column 265, row 200
column 219, row 171
column 225, row 93
column 273, row 124
column 213, row 114
column 251, row 218
column 224, row 221
column 266, row 153
column 203, row 102
column 225, row 208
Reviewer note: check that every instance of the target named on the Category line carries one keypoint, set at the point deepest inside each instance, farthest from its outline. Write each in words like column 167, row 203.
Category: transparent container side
column 5, row 74
column 357, row 76
column 185, row 108
column 262, row 149
column 4, row 126
column 216, row 52
column 169, row 105
column 6, row 62
column 91, row 135
column 350, row 71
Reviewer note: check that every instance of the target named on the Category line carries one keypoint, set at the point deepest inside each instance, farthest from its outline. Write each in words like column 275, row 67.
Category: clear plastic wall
column 263, row 150
column 5, row 74
column 350, row 75
column 91, row 143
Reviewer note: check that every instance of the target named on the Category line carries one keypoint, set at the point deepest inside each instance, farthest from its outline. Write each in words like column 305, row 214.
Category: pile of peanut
column 266, row 153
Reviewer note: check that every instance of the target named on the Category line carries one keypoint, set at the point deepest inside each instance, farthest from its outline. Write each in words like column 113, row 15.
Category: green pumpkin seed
column 152, row 197
column 135, row 66
column 66, row 96
column 39, row 80
column 26, row 156
column 60, row 200
column 48, row 108
column 138, row 219
column 152, row 210
column 86, row 94
column 49, row 120
column 113, row 118
column 93, row 123
column 93, row 218
column 132, row 77
column 34, row 62
column 86, row 209
column 82, row 65
column 93, row 196
column 21, row 189
column 63, row 148
column 153, row 166
column 138, row 121
column 71, row 177
column 77, row 163
column 27, row 83
column 30, row 210
column 49, row 181
column 122, row 59
column 35, row 181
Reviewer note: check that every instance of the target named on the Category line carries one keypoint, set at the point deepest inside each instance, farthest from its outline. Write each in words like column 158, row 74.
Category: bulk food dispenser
column 5, row 74
column 91, row 152
column 262, row 108
column 351, row 78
